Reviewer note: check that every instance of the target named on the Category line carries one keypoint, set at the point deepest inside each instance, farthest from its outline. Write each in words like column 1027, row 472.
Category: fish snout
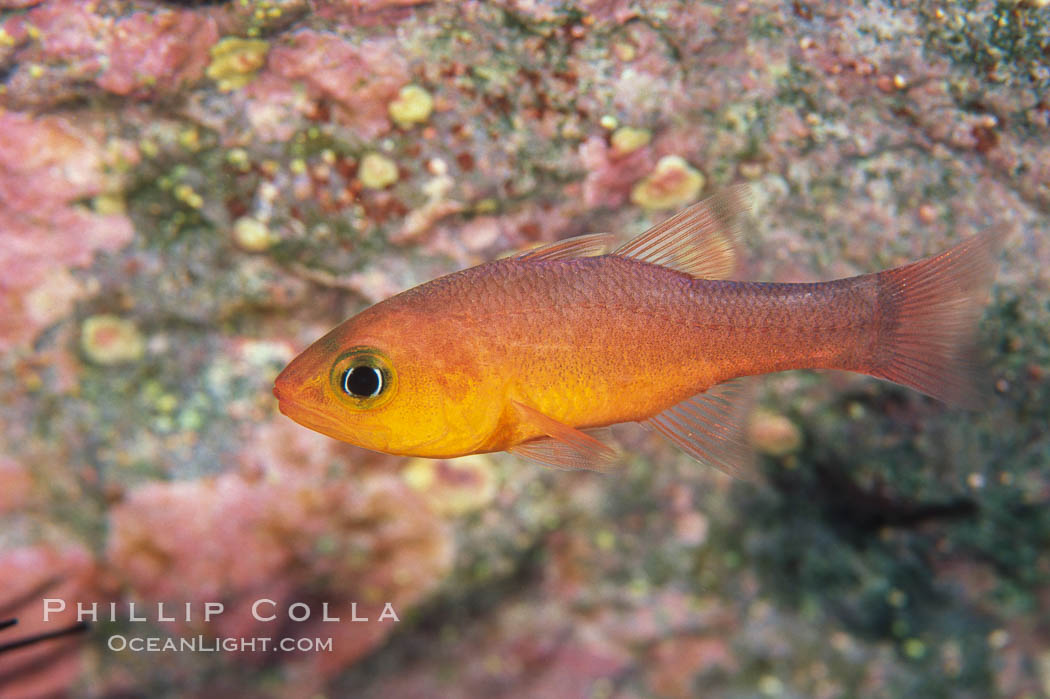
column 283, row 386
column 289, row 388
column 281, row 389
column 292, row 384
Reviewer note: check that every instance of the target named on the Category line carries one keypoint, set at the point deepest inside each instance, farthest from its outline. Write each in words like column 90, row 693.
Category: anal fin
column 711, row 427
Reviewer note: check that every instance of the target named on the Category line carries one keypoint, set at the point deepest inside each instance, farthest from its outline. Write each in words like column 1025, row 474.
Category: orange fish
column 534, row 354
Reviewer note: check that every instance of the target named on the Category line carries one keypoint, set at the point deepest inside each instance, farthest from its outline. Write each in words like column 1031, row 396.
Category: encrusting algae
column 673, row 182
column 534, row 354
column 627, row 139
column 236, row 61
column 377, row 171
column 108, row 339
column 412, row 106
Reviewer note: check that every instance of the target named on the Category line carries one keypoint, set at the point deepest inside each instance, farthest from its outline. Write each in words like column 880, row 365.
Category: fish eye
column 363, row 378
column 363, row 381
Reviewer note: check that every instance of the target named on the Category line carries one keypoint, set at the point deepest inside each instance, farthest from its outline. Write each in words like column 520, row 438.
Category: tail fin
column 928, row 313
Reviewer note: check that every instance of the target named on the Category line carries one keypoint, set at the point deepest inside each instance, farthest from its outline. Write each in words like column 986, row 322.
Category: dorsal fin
column 703, row 240
column 581, row 246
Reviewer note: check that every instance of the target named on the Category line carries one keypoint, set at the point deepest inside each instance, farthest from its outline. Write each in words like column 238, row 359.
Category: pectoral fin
column 711, row 427
column 565, row 447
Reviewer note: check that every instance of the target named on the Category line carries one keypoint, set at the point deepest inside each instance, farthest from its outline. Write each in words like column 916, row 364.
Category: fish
column 538, row 354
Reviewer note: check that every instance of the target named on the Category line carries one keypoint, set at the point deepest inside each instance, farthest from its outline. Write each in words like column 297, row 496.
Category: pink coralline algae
column 15, row 484
column 529, row 648
column 28, row 576
column 158, row 53
column 674, row 663
column 54, row 50
column 365, row 12
column 65, row 30
column 46, row 164
column 611, row 175
column 63, row 46
column 292, row 526
column 357, row 79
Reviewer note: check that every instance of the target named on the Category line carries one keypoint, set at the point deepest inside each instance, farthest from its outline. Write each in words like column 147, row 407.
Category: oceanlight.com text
column 205, row 644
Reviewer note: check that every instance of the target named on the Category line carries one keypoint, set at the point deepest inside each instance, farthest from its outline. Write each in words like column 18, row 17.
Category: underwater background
column 192, row 192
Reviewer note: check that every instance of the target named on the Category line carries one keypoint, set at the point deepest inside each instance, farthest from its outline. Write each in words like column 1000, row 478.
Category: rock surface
column 221, row 182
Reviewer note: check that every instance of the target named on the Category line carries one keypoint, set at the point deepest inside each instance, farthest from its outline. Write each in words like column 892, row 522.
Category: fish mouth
column 308, row 418
column 301, row 404
column 312, row 419
column 281, row 390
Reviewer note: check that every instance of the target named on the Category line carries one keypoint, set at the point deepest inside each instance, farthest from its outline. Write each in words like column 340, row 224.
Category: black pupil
column 362, row 381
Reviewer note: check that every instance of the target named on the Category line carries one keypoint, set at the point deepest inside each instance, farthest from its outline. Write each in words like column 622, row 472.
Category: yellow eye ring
column 363, row 378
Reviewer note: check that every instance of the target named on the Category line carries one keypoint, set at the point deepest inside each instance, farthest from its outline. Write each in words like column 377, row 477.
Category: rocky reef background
column 191, row 192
